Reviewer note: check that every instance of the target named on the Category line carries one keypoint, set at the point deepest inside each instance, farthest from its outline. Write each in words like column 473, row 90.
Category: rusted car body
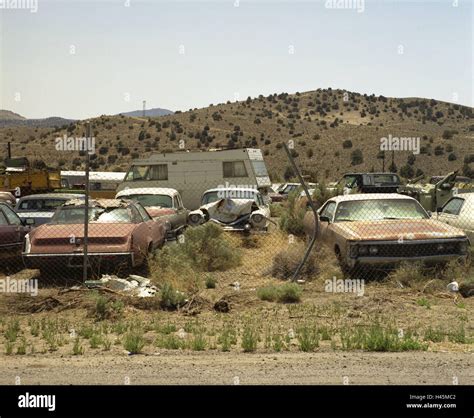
column 161, row 203
column 384, row 230
column 121, row 233
column 12, row 233
column 241, row 210
column 459, row 212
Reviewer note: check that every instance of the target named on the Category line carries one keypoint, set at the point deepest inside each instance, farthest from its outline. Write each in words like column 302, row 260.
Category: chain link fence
column 237, row 234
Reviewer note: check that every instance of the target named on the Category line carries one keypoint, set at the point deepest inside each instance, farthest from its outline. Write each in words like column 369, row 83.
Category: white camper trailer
column 192, row 173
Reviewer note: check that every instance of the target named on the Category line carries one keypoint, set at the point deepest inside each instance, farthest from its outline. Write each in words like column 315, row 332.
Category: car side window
column 12, row 217
column 3, row 219
column 453, row 207
column 143, row 214
column 329, row 210
column 176, row 202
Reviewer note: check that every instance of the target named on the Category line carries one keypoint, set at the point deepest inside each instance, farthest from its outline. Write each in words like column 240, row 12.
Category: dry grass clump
column 321, row 263
column 204, row 249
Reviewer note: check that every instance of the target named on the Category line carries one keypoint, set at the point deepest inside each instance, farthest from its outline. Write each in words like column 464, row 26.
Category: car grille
column 417, row 250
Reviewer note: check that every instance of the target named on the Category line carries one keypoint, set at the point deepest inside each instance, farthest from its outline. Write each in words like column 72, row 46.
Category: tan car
column 459, row 212
column 384, row 230
column 121, row 233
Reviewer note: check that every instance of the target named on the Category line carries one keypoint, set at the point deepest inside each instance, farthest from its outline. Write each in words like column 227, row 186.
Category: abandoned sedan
column 121, row 234
column 234, row 209
column 459, row 212
column 12, row 233
column 161, row 203
column 38, row 209
column 384, row 230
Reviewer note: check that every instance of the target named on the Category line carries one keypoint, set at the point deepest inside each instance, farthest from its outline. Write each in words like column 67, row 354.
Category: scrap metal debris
column 134, row 285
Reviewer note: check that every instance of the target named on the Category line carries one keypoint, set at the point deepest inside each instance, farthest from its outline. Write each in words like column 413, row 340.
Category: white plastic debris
column 143, row 281
column 453, row 287
column 182, row 333
column 236, row 285
column 136, row 285
column 291, row 333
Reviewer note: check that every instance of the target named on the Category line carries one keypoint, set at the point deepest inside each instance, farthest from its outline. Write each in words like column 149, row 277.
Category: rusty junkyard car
column 38, row 209
column 434, row 194
column 384, row 229
column 12, row 233
column 459, row 212
column 235, row 209
column 161, row 203
column 121, row 233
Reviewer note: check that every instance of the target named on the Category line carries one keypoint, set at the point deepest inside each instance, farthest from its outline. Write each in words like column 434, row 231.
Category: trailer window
column 137, row 172
column 259, row 168
column 158, row 172
column 145, row 172
column 234, row 169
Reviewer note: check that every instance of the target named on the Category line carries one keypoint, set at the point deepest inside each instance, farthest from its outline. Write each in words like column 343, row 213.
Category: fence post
column 311, row 203
column 86, row 208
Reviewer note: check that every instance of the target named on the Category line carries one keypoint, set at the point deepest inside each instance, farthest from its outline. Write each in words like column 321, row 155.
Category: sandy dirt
column 417, row 368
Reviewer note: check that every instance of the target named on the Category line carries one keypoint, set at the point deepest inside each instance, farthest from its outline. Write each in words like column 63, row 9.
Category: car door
column 13, row 231
column 466, row 219
column 323, row 230
column 450, row 212
column 151, row 230
column 181, row 211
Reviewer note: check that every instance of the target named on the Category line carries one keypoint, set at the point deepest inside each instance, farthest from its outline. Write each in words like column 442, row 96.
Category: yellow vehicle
column 17, row 177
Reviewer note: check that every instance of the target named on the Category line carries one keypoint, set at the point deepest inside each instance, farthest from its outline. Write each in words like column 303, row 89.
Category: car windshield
column 386, row 209
column 148, row 200
column 211, row 197
column 75, row 215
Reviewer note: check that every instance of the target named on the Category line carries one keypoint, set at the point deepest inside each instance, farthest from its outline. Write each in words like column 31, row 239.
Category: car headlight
column 363, row 249
column 257, row 219
column 373, row 250
column 195, row 218
column 354, row 251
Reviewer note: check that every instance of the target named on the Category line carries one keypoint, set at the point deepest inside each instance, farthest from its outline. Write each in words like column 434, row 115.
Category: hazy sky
column 79, row 59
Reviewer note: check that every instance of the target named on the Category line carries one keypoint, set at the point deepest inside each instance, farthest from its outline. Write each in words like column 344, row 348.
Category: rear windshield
column 41, row 204
column 75, row 215
column 148, row 200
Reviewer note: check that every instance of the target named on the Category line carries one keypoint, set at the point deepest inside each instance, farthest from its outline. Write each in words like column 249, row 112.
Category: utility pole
column 9, row 150
column 86, row 208
column 144, row 108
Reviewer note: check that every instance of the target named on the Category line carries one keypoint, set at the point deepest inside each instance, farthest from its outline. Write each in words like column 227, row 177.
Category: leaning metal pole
column 86, row 208
column 311, row 203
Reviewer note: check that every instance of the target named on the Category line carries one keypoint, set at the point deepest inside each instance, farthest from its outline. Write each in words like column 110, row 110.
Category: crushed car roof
column 100, row 203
